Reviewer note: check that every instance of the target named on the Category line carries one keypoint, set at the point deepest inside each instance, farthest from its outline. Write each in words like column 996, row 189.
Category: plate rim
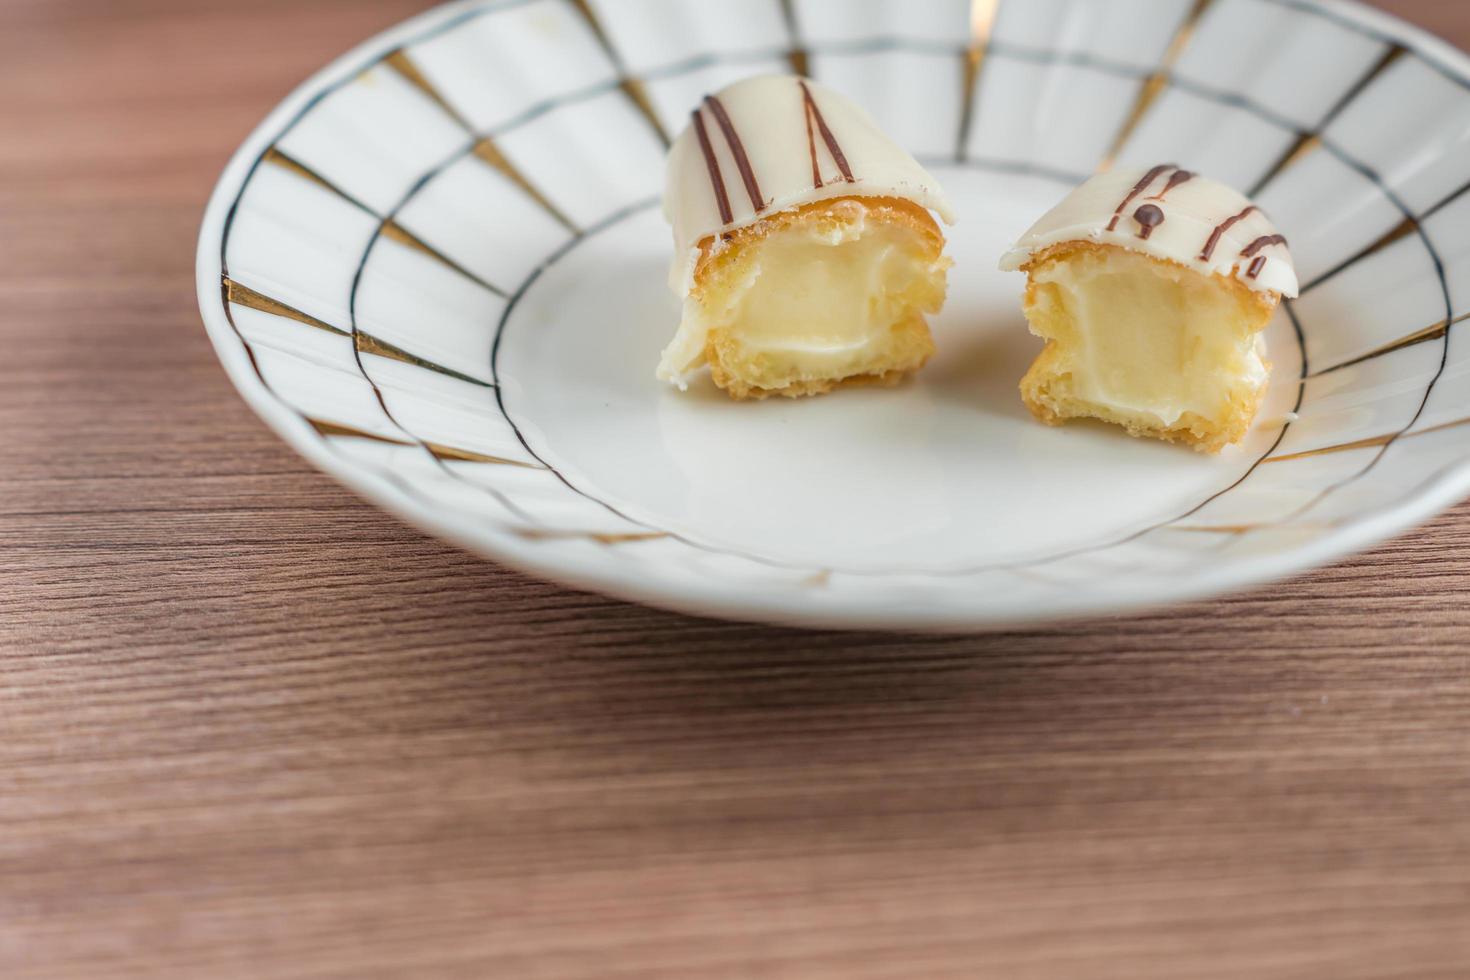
column 1426, row 501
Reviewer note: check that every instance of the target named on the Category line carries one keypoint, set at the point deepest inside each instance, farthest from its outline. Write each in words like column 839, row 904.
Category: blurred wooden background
column 251, row 727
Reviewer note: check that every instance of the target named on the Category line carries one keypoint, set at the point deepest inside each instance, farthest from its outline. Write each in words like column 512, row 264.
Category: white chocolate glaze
column 1169, row 214
column 801, row 141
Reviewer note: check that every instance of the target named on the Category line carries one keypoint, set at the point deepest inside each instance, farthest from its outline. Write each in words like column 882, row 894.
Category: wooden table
column 252, row 727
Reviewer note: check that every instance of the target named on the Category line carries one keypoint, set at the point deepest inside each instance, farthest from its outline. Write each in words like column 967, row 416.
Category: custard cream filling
column 814, row 300
column 1148, row 338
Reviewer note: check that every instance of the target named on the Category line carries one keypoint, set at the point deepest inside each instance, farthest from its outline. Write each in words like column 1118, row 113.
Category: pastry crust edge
column 1191, row 429
column 717, row 252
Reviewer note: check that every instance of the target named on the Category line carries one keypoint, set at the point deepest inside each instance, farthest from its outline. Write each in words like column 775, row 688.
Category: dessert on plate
column 1152, row 289
column 805, row 253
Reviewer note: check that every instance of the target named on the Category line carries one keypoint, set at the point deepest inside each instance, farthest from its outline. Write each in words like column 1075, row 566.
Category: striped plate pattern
column 370, row 241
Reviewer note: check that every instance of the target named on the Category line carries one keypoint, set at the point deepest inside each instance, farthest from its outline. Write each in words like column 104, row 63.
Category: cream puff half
column 806, row 256
column 1152, row 289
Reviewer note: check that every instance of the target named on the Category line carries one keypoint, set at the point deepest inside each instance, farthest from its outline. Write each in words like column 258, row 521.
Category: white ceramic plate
column 438, row 271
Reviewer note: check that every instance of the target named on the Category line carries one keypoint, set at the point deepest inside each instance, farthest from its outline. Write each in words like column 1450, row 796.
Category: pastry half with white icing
column 805, row 253
column 1151, row 290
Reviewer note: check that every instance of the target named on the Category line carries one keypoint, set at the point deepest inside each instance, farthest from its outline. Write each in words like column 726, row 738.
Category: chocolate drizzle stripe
column 1149, row 217
column 811, row 143
column 716, row 179
column 1265, row 241
column 1180, row 177
column 1220, row 231
column 833, row 147
column 742, row 162
column 1257, row 266
column 1138, row 189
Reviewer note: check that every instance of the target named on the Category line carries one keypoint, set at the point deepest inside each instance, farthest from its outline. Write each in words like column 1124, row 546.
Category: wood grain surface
column 252, row 727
